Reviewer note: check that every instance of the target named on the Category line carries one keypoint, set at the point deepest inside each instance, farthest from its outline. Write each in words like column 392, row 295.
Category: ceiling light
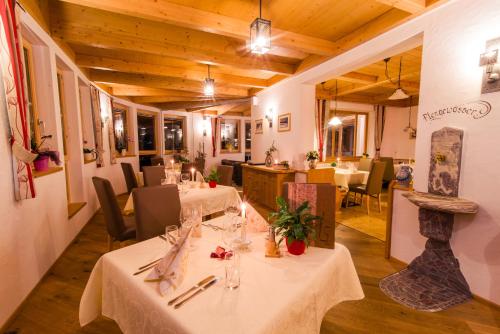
column 399, row 93
column 260, row 34
column 335, row 121
column 209, row 85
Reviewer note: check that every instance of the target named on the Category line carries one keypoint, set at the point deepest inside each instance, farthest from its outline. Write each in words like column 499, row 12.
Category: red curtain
column 214, row 121
column 13, row 83
column 379, row 128
column 320, row 114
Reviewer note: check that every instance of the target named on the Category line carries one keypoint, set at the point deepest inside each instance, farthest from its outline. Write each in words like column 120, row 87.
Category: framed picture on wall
column 259, row 127
column 284, row 122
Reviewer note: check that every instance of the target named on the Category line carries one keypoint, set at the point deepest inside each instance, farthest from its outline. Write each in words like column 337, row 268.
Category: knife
column 203, row 288
column 196, row 286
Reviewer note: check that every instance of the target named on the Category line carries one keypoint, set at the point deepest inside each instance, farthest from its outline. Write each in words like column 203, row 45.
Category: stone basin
column 441, row 203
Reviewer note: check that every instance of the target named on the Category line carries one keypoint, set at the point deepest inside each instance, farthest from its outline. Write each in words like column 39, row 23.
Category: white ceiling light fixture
column 260, row 34
column 335, row 121
column 399, row 93
column 209, row 85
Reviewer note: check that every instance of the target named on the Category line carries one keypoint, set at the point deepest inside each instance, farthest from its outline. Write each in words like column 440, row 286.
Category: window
column 174, row 130
column 120, row 124
column 230, row 135
column 348, row 140
column 248, row 136
column 146, row 124
column 35, row 135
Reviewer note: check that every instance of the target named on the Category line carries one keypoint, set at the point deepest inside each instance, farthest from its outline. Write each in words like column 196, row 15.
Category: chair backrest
column 389, row 168
column 321, row 175
column 115, row 224
column 155, row 208
column 321, row 198
column 130, row 179
column 374, row 184
column 225, row 175
column 157, row 161
column 186, row 167
column 153, row 175
column 365, row 164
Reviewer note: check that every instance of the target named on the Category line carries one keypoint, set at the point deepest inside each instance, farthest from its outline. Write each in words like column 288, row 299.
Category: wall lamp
column 489, row 59
column 269, row 116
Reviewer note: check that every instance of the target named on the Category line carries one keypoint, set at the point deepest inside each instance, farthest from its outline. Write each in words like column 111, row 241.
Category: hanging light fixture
column 399, row 93
column 260, row 34
column 335, row 121
column 209, row 85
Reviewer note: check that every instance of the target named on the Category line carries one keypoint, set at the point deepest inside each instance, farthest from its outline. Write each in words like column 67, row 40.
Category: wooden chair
column 389, row 169
column 130, row 179
column 119, row 228
column 365, row 164
column 225, row 175
column 372, row 188
column 155, row 208
column 153, row 175
column 157, row 161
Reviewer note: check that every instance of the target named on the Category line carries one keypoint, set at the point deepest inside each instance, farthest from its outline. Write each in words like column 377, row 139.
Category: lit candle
column 338, row 162
column 275, row 161
column 172, row 163
column 243, row 210
column 192, row 173
column 243, row 222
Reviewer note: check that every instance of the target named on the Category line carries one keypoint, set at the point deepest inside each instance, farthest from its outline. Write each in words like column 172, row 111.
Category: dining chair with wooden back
column 153, row 175
column 373, row 187
column 365, row 164
column 157, row 161
column 119, row 228
column 130, row 179
column 155, row 209
column 225, row 175
column 389, row 169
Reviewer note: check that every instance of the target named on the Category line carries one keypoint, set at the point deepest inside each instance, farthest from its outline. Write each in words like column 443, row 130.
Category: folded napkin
column 255, row 222
column 169, row 272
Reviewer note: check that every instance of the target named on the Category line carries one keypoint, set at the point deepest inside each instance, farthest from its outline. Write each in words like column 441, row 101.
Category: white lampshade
column 208, row 87
column 335, row 121
column 399, row 94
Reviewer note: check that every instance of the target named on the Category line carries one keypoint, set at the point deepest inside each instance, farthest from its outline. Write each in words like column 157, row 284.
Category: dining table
column 212, row 200
column 345, row 177
column 290, row 294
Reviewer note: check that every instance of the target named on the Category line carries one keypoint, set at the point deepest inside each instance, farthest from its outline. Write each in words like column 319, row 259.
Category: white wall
column 396, row 143
column 454, row 36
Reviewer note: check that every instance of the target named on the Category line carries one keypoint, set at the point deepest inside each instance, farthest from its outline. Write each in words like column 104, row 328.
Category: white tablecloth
column 346, row 177
column 277, row 295
column 212, row 200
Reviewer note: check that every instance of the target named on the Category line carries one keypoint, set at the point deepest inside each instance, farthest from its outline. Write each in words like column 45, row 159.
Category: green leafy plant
column 213, row 176
column 183, row 160
column 271, row 149
column 312, row 155
column 293, row 225
column 333, row 164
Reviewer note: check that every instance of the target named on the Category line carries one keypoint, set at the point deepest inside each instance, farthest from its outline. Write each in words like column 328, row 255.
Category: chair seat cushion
column 358, row 188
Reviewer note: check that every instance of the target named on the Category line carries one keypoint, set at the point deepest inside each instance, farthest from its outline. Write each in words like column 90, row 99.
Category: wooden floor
column 53, row 307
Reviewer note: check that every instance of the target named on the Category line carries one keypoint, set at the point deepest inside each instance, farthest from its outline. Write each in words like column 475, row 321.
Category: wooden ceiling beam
column 358, row 88
column 161, row 99
column 190, row 105
column 158, row 82
column 409, row 6
column 357, row 77
column 166, row 12
column 122, row 65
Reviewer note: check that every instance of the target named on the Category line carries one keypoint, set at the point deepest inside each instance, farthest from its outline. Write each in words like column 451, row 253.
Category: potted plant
column 213, row 178
column 41, row 162
column 269, row 155
column 88, row 154
column 312, row 157
column 296, row 227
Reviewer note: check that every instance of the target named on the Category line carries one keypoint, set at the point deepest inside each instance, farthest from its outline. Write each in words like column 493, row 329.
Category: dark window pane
column 146, row 126
column 229, row 135
column 173, row 129
column 120, row 126
column 248, row 135
column 348, row 140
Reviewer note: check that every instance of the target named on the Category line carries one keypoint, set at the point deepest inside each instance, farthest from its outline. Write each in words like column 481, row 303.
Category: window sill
column 126, row 156
column 230, row 152
column 74, row 208
column 89, row 161
column 51, row 170
column 148, row 152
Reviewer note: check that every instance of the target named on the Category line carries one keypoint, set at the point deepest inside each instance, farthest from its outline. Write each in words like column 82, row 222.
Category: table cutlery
column 203, row 288
column 213, row 227
column 145, row 268
column 167, row 238
column 150, row 263
column 196, row 286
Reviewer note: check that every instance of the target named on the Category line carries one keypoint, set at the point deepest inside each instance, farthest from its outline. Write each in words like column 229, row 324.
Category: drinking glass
column 172, row 232
column 185, row 177
column 229, row 232
column 232, row 269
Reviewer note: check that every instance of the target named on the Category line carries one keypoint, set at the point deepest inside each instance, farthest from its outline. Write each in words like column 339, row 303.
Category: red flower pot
column 41, row 163
column 212, row 184
column 296, row 247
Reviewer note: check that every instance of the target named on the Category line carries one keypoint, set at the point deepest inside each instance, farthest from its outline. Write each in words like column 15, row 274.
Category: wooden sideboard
column 263, row 184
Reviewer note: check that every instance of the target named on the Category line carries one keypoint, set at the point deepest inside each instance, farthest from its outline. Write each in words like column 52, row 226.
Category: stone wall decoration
column 433, row 281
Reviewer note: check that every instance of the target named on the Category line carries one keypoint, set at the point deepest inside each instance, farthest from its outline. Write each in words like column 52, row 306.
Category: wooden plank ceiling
column 156, row 52
column 371, row 85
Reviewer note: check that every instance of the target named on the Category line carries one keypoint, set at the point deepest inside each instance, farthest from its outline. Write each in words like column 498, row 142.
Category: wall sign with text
column 473, row 110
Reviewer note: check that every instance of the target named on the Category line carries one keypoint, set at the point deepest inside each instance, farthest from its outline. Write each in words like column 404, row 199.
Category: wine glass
column 229, row 232
column 185, row 177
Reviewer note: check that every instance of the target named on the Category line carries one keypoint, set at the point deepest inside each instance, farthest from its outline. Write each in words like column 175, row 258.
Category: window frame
column 249, row 123
column 126, row 127
column 240, row 142
column 28, row 63
column 347, row 113
column 184, row 134
column 146, row 113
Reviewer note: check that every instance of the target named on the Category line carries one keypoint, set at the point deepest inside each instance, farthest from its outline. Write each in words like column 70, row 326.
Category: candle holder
column 243, row 242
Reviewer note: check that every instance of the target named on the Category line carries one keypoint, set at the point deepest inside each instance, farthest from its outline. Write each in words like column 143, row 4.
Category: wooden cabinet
column 263, row 184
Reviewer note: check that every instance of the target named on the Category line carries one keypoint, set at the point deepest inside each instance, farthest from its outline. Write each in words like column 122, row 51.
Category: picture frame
column 259, row 126
column 284, row 122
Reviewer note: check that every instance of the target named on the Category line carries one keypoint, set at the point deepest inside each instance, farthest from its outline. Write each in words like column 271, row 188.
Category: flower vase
column 269, row 160
column 212, row 184
column 312, row 164
column 41, row 163
column 296, row 247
